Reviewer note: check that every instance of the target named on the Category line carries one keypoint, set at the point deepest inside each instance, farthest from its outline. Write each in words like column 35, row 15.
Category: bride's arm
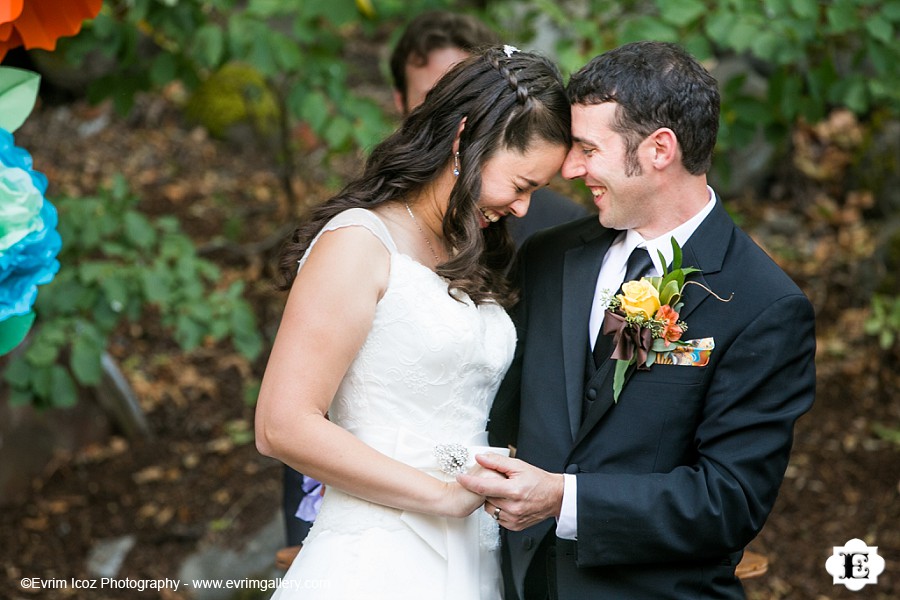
column 328, row 315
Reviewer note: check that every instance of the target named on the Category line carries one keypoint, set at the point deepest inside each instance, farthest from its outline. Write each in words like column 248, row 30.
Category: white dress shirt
column 612, row 272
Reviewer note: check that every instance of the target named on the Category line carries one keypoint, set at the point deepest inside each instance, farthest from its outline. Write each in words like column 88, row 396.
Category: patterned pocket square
column 694, row 354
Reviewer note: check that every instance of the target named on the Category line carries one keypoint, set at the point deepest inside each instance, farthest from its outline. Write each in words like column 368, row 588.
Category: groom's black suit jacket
column 679, row 475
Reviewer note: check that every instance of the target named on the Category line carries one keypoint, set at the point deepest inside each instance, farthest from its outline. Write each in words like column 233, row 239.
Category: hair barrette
column 508, row 50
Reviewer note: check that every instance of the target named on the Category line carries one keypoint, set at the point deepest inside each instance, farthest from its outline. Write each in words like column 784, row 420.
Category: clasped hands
column 524, row 494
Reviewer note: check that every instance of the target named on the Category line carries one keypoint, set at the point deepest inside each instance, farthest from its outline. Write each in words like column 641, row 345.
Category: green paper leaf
column 13, row 330
column 18, row 93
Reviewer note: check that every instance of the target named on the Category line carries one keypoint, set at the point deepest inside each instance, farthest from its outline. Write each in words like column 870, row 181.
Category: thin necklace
column 419, row 227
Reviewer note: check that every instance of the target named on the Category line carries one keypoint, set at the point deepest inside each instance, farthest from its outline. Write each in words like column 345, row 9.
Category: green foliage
column 120, row 266
column 801, row 57
column 884, row 322
column 886, row 433
column 298, row 47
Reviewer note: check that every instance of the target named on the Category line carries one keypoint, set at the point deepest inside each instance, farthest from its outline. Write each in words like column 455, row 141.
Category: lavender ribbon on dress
column 312, row 501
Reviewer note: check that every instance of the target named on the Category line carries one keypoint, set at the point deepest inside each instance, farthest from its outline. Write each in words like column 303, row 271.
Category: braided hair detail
column 522, row 95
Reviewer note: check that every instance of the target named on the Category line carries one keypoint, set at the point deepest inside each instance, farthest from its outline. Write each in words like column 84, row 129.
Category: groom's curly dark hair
column 655, row 84
column 508, row 100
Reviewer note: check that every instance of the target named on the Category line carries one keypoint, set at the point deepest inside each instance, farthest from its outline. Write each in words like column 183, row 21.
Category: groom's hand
column 525, row 496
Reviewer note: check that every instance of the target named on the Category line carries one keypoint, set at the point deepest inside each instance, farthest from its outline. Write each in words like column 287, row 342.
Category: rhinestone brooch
column 451, row 458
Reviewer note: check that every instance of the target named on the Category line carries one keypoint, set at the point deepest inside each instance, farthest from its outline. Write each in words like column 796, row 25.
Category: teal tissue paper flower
column 20, row 208
column 29, row 242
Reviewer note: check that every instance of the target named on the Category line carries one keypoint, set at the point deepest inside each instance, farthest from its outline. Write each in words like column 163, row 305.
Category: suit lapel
column 705, row 250
column 580, row 270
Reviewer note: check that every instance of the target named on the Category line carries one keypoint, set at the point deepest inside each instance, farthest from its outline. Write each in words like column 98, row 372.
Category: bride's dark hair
column 509, row 100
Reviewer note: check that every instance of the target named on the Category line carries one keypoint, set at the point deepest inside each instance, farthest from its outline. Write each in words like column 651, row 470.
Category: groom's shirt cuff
column 567, row 524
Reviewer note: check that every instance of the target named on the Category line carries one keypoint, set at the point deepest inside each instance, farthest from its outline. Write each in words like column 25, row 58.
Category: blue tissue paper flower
column 29, row 242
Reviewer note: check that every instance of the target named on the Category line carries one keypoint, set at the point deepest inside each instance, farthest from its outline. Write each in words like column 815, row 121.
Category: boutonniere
column 644, row 318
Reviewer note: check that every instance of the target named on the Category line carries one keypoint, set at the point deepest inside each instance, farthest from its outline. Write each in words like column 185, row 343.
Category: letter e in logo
column 854, row 565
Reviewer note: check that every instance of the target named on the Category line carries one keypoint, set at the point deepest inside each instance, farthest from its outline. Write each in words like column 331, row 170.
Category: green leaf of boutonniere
column 619, row 378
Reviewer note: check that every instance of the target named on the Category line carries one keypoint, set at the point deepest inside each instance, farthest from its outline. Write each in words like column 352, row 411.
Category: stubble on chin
column 610, row 221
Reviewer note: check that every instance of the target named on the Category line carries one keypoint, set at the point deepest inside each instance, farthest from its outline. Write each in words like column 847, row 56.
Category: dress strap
column 356, row 217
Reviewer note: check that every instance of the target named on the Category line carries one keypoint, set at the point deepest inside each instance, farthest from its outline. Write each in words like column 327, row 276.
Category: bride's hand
column 462, row 502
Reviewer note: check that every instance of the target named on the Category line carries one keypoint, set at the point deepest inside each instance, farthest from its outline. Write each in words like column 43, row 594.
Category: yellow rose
column 639, row 298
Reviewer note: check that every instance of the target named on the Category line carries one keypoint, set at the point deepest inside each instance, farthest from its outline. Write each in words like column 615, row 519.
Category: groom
column 654, row 495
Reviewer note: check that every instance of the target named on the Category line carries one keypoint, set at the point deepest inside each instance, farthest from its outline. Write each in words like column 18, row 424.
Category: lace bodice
column 431, row 363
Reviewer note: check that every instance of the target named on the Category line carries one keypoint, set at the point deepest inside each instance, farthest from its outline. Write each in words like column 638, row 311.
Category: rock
column 234, row 103
column 106, row 557
column 254, row 561
column 749, row 168
column 115, row 395
column 878, row 169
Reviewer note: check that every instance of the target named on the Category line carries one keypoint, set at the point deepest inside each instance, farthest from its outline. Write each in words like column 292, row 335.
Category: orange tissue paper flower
column 39, row 23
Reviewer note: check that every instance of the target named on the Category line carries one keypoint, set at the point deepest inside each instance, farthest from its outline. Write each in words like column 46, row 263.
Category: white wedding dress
column 425, row 376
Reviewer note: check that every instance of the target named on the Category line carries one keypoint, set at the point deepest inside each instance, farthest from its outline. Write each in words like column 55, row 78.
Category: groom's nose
column 573, row 166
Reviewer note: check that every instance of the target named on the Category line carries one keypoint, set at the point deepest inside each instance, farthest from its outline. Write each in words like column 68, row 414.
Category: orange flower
column 39, row 23
column 671, row 329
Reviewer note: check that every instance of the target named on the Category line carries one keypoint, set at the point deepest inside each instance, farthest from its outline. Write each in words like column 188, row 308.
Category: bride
column 395, row 329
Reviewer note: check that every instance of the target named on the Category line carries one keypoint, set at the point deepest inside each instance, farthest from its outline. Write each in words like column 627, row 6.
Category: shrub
column 121, row 266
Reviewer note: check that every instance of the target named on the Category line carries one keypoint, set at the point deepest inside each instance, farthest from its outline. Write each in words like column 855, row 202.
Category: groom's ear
column 665, row 149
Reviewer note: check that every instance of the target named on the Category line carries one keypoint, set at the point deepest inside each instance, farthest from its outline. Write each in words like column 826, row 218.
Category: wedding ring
column 496, row 514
